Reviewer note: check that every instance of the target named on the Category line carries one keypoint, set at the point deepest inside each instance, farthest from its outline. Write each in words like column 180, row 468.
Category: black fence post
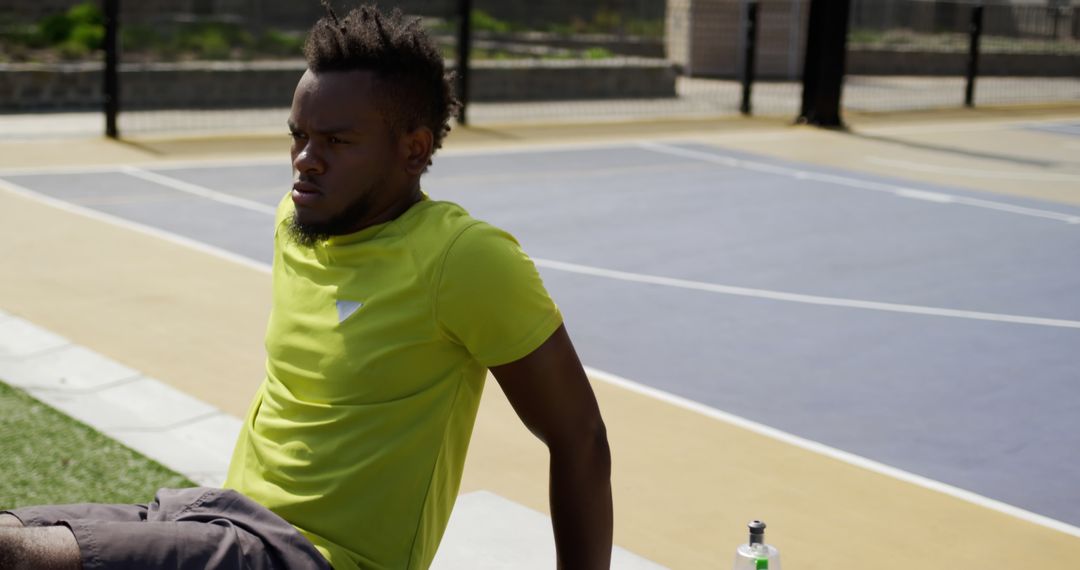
column 749, row 57
column 464, row 46
column 973, row 55
column 823, row 70
column 112, row 63
column 1057, row 10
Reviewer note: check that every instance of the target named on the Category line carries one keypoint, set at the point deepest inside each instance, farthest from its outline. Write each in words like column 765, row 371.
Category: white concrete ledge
column 488, row 532
column 178, row 431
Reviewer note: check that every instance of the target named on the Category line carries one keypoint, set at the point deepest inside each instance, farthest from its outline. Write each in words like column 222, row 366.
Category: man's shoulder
column 444, row 233
column 438, row 224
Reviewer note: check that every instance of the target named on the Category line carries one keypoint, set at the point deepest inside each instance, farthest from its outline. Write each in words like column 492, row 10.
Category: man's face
column 347, row 165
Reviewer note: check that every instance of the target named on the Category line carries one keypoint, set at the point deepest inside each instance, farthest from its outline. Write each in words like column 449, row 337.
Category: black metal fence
column 917, row 54
column 190, row 65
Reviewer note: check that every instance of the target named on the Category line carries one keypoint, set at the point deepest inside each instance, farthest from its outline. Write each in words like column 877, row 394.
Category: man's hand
column 551, row 394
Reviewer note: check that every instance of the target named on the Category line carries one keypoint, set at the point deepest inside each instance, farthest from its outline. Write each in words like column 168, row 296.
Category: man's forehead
column 334, row 97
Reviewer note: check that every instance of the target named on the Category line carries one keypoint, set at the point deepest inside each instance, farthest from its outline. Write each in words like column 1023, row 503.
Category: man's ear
column 417, row 146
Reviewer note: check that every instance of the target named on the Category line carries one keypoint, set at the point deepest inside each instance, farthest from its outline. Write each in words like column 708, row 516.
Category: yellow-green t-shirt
column 377, row 350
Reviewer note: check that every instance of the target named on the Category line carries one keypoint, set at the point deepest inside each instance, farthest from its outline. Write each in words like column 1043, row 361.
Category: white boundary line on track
column 963, row 126
column 161, row 165
column 724, row 160
column 800, row 298
column 196, row 190
column 833, row 453
column 221, row 197
column 689, row 405
column 974, row 172
column 134, row 226
column 901, row 191
column 227, row 199
column 260, row 160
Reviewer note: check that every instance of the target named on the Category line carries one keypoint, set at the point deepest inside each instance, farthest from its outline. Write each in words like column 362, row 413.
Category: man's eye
column 295, row 135
column 335, row 140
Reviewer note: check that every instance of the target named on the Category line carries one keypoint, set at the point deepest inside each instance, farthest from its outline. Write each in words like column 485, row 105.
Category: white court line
column 832, row 452
column 962, row 126
column 134, row 226
column 200, row 191
column 283, row 160
column 155, row 165
column 974, row 172
column 799, row 298
column 585, row 269
column 207, row 193
column 849, row 458
column 59, row 170
column 901, row 191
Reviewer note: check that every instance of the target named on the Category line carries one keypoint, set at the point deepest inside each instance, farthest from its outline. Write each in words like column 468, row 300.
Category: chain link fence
column 191, row 66
column 916, row 54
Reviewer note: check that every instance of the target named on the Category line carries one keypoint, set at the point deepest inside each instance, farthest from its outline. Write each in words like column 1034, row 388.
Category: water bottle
column 756, row 555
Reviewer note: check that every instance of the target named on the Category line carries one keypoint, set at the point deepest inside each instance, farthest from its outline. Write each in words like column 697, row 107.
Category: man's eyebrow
column 326, row 131
column 336, row 130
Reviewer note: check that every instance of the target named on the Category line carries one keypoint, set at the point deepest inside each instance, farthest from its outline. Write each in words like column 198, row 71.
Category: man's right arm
column 551, row 394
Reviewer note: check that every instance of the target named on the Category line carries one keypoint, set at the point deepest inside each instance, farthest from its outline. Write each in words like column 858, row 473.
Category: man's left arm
column 551, row 394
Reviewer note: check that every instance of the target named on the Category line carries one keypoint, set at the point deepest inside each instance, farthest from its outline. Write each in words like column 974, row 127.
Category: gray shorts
column 197, row 528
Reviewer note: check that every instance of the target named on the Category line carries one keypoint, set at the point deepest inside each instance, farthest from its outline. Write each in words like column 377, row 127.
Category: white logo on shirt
column 345, row 309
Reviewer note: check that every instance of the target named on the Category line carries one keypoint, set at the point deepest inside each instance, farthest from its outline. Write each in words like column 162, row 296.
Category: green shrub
column 87, row 35
column 606, row 21
column 139, row 37
column 55, row 29
column 645, row 28
column 86, row 13
column 76, row 32
column 71, row 49
column 274, row 42
column 863, row 36
column 208, row 43
column 482, row 21
column 21, row 35
column 597, row 53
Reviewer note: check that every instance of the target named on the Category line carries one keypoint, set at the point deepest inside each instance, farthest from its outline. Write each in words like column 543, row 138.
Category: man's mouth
column 305, row 193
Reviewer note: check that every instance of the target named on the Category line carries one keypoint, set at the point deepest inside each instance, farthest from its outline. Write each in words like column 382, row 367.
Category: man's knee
column 39, row 548
column 10, row 520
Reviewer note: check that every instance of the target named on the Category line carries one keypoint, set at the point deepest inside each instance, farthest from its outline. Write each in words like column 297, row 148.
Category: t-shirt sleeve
column 490, row 298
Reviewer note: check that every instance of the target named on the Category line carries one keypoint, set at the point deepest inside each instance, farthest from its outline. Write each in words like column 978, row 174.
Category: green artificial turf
column 49, row 458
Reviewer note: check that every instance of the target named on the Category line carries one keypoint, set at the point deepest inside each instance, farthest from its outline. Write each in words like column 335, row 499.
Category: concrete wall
column 880, row 62
column 552, row 80
column 31, row 87
column 706, row 37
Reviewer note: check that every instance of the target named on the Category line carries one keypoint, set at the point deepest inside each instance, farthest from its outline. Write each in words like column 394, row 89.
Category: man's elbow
column 601, row 450
column 588, row 443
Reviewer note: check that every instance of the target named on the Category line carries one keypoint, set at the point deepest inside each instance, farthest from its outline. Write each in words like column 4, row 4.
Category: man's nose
column 308, row 160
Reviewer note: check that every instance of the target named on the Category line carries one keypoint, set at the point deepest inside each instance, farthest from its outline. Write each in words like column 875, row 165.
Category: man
column 389, row 308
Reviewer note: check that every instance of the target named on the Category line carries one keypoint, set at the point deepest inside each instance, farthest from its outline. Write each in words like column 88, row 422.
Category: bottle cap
column 757, row 531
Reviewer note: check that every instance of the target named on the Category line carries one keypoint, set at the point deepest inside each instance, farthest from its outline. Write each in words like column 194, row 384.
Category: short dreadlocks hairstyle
column 417, row 89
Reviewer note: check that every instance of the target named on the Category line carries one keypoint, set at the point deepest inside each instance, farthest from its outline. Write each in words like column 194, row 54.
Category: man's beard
column 310, row 233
